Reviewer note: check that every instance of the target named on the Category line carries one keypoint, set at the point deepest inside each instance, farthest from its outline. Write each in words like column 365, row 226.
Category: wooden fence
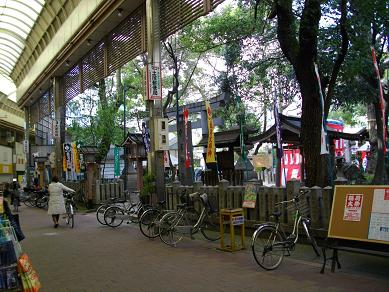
column 317, row 202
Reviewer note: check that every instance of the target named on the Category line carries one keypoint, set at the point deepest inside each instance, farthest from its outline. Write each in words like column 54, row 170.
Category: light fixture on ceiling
column 40, row 90
column 67, row 63
column 120, row 12
column 88, row 42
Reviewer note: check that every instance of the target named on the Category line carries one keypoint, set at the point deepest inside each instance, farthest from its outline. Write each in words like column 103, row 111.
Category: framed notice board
column 361, row 213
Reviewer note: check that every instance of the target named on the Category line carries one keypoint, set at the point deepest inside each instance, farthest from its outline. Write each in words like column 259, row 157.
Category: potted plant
column 148, row 188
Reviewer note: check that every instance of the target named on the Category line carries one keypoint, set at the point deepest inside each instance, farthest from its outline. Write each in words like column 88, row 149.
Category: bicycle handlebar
column 295, row 199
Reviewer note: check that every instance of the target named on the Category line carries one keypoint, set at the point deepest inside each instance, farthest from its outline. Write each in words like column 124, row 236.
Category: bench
column 354, row 246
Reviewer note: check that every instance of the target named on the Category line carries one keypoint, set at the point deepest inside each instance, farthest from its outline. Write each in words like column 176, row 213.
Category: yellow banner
column 64, row 163
column 211, row 139
column 76, row 161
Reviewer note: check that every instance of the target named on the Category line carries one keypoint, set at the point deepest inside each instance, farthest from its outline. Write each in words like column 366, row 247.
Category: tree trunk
column 311, row 120
column 379, row 174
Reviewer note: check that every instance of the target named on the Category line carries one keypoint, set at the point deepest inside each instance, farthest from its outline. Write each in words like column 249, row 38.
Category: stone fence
column 316, row 204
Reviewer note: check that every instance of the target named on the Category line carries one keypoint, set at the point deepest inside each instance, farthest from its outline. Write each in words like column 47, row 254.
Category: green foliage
column 148, row 185
column 349, row 115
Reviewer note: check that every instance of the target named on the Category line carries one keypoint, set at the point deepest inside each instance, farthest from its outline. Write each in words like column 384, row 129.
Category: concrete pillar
column 59, row 110
column 155, row 158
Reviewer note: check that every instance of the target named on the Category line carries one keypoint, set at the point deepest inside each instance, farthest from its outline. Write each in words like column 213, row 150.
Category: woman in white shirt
column 57, row 201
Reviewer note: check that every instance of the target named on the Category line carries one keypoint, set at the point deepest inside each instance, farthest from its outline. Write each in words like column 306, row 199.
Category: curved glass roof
column 17, row 17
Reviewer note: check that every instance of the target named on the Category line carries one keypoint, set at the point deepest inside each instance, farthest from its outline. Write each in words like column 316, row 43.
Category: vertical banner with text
column 211, row 139
column 153, row 82
column 187, row 153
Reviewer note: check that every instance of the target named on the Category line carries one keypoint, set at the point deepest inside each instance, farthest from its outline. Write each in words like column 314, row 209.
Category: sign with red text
column 353, row 207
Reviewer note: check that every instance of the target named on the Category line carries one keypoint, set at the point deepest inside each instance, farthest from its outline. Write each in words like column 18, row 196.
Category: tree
column 297, row 33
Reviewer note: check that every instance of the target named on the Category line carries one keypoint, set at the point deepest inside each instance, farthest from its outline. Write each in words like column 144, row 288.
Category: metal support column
column 155, row 158
column 27, row 144
column 59, row 109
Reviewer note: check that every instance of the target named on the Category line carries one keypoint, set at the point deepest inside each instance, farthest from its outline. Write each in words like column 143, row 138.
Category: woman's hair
column 55, row 178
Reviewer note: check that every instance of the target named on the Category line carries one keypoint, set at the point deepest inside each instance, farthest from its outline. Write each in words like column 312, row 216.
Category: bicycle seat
column 161, row 203
column 276, row 214
column 117, row 200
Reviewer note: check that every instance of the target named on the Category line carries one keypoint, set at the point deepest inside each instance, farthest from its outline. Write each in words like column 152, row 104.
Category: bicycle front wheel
column 268, row 247
column 210, row 227
column 168, row 228
column 100, row 214
column 148, row 223
column 70, row 216
column 113, row 216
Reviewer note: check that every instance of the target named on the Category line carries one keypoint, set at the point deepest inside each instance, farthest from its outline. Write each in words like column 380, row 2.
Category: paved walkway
column 92, row 257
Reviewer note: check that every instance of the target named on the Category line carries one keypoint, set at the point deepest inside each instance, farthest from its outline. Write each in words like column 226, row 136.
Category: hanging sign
column 25, row 146
column 211, row 139
column 56, row 128
column 116, row 161
column 153, row 82
column 187, row 154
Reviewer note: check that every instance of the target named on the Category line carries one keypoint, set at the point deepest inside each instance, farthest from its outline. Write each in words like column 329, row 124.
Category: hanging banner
column 146, row 137
column 211, row 138
column 67, row 148
column 323, row 140
column 278, row 130
column 76, row 160
column 187, row 154
column 153, row 82
column 116, row 161
column 382, row 101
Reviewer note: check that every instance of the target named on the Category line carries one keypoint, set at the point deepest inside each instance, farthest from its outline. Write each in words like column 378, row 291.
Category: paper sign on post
column 250, row 197
column 353, row 207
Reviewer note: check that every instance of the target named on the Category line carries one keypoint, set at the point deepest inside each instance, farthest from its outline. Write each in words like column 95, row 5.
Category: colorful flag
column 211, row 139
column 323, row 138
column 278, row 130
column 382, row 101
column 187, row 154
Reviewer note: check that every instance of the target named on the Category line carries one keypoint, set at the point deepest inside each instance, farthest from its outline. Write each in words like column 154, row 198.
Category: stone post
column 223, row 187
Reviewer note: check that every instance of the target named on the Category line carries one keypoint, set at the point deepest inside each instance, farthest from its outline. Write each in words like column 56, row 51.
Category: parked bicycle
column 115, row 215
column 269, row 242
column 174, row 225
column 69, row 207
column 149, row 221
column 103, row 206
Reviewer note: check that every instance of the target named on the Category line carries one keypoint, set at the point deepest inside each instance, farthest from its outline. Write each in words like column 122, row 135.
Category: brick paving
column 92, row 257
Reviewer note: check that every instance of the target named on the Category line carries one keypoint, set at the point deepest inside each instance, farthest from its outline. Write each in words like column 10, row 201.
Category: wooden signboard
column 360, row 213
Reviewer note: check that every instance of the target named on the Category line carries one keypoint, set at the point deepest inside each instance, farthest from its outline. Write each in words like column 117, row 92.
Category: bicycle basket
column 302, row 206
column 206, row 203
